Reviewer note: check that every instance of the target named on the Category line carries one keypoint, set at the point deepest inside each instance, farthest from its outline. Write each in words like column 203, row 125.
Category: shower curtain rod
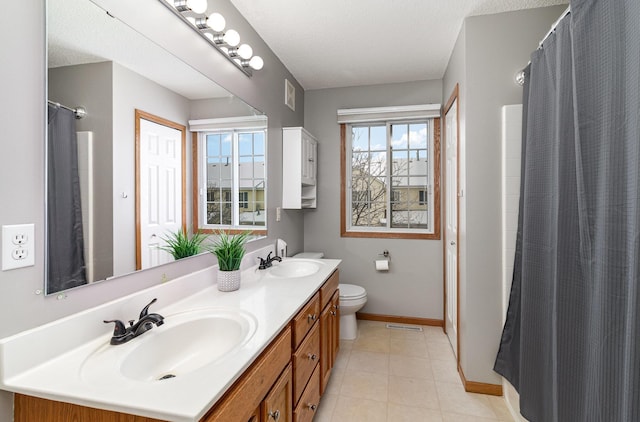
column 519, row 78
column 80, row 112
column 553, row 27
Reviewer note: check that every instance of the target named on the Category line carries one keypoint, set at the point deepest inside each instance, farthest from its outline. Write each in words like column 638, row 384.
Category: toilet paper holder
column 382, row 264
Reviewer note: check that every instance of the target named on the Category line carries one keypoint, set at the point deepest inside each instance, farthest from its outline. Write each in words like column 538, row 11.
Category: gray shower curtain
column 65, row 263
column 571, row 341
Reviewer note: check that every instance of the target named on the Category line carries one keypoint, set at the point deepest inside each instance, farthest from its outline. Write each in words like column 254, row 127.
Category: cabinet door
column 309, row 164
column 326, row 346
column 335, row 331
column 277, row 406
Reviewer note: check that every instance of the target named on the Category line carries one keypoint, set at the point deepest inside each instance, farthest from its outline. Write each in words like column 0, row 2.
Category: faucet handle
column 119, row 329
column 145, row 310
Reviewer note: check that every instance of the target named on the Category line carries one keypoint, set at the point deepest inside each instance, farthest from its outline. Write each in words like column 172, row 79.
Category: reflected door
column 451, row 225
column 160, row 187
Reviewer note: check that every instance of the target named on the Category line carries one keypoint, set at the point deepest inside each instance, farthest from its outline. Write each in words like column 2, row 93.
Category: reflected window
column 232, row 179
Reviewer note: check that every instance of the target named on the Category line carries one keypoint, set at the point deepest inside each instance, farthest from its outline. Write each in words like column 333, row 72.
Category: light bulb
column 232, row 38
column 197, row 6
column 256, row 63
column 245, row 51
column 216, row 22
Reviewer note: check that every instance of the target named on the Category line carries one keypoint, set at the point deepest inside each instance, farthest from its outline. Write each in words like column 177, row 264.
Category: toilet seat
column 351, row 292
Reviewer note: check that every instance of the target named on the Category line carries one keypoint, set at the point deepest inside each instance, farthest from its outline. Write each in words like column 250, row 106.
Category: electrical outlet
column 18, row 246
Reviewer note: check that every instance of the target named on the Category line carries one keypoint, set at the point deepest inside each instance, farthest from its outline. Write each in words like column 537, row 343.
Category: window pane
column 213, row 144
column 400, row 164
column 258, row 143
column 225, row 144
column 359, row 139
column 360, row 164
column 378, row 164
column 245, row 144
column 418, row 135
column 258, row 168
column 378, row 138
column 399, row 136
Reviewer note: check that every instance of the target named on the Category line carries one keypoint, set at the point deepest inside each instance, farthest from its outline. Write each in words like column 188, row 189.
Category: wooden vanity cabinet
column 277, row 407
column 284, row 384
column 329, row 328
column 250, row 390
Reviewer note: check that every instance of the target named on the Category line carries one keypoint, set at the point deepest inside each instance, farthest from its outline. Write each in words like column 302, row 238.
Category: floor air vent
column 404, row 327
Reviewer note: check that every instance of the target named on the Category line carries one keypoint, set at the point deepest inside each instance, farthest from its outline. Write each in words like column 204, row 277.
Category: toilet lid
column 351, row 291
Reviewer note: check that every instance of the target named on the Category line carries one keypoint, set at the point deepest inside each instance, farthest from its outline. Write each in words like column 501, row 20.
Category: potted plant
column 180, row 245
column 229, row 249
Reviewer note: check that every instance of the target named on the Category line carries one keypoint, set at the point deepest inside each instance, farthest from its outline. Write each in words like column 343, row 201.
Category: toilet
column 352, row 299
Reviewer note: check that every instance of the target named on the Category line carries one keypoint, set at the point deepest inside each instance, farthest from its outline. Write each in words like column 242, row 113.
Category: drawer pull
column 275, row 415
column 312, row 356
column 312, row 406
column 334, row 313
column 336, row 306
column 311, row 318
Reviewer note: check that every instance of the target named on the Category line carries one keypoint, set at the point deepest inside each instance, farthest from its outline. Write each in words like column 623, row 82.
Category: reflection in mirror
column 97, row 62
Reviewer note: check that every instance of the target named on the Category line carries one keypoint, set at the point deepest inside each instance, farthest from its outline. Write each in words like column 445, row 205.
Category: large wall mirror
column 102, row 191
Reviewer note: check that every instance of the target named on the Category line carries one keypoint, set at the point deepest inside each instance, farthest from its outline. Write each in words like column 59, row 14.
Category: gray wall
column 22, row 119
column 91, row 86
column 220, row 107
column 413, row 286
column 489, row 52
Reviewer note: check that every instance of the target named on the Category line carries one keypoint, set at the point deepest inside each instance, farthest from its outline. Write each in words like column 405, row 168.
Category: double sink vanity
column 262, row 353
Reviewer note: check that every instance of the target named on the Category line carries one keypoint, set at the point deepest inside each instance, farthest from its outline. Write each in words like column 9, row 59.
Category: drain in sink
column 166, row 377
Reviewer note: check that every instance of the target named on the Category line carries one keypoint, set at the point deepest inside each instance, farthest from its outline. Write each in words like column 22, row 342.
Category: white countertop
column 26, row 367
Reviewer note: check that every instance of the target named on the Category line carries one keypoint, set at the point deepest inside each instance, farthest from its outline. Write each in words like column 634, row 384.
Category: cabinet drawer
column 308, row 404
column 328, row 289
column 305, row 360
column 305, row 319
column 246, row 394
column 277, row 406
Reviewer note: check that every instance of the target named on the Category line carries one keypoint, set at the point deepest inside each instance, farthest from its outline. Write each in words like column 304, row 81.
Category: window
column 231, row 164
column 390, row 173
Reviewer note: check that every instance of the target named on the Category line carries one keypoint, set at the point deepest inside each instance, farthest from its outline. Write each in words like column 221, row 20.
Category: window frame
column 346, row 230
column 199, row 182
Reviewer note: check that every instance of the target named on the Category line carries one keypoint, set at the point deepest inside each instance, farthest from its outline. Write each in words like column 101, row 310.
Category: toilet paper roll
column 382, row 265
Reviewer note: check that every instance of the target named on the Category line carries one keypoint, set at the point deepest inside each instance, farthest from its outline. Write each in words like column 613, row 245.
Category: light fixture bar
column 217, row 45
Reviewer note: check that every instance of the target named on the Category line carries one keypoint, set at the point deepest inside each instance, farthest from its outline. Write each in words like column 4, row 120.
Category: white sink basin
column 295, row 268
column 186, row 342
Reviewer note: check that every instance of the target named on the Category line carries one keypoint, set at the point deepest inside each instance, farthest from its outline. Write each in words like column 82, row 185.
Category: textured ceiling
column 335, row 43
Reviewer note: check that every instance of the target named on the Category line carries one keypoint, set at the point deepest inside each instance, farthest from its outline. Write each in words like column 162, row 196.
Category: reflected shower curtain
column 65, row 265
column 571, row 342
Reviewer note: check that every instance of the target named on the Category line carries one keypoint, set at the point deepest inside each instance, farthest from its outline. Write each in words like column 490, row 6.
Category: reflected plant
column 180, row 245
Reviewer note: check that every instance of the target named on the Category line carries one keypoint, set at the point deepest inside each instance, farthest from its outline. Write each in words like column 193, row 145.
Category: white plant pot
column 228, row 281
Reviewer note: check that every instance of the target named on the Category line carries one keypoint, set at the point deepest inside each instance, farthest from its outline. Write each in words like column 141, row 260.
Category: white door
column 160, row 190
column 451, row 224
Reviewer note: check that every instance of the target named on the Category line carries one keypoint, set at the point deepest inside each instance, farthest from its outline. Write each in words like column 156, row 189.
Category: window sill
column 390, row 235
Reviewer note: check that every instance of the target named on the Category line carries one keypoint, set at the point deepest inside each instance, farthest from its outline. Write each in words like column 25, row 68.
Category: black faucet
column 267, row 262
column 122, row 334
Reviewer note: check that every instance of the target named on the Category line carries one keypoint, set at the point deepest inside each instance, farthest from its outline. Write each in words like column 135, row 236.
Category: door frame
column 140, row 115
column 453, row 98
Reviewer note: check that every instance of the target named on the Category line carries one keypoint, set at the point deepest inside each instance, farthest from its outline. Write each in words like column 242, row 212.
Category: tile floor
column 391, row 375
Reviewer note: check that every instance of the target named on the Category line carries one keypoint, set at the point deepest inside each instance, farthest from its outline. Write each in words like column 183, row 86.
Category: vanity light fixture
column 212, row 29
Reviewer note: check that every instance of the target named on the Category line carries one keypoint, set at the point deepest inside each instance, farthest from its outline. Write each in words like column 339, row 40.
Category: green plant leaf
column 229, row 249
column 180, row 245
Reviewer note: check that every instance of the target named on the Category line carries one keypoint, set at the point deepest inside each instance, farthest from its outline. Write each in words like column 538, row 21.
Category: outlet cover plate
column 18, row 246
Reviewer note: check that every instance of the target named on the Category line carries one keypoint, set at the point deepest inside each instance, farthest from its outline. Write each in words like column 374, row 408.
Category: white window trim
column 388, row 114
column 209, row 128
column 430, row 185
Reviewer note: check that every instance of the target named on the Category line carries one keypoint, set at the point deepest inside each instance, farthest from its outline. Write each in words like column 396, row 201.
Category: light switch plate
column 18, row 246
